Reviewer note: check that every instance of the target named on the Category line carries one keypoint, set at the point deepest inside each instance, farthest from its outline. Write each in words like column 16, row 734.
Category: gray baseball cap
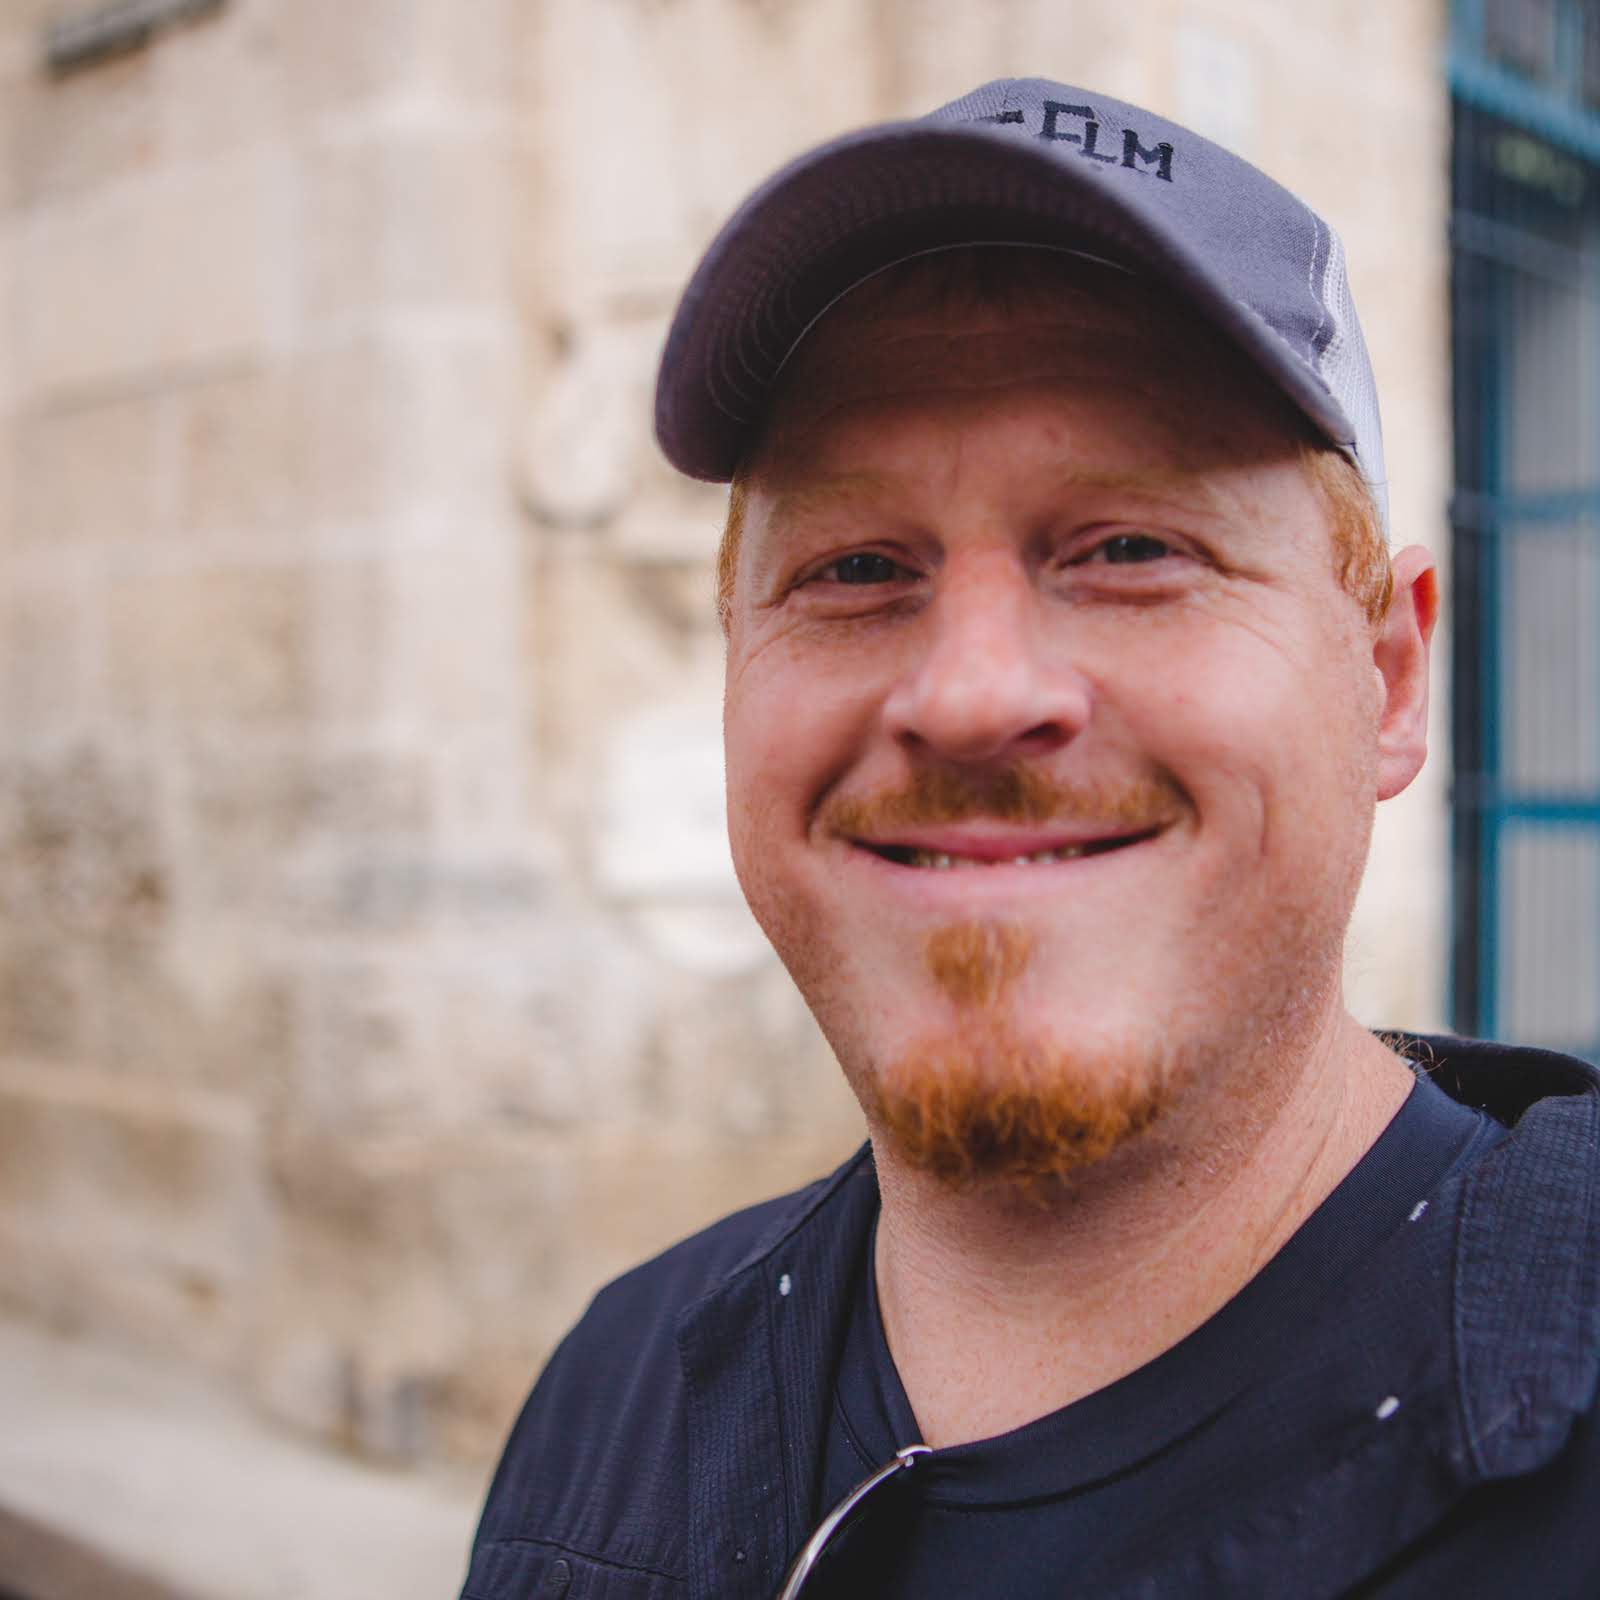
column 1018, row 161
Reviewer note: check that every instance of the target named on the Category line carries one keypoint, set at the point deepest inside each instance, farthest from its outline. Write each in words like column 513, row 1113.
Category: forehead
column 992, row 327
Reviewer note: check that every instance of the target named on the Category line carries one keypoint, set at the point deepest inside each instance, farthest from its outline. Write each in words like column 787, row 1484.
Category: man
column 1066, row 664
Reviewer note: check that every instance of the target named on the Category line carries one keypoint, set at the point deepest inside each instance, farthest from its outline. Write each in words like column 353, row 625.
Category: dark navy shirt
column 1059, row 1500
column 1401, row 1405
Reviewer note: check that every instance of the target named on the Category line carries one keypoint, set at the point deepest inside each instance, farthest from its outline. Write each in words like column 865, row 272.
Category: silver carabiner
column 811, row 1551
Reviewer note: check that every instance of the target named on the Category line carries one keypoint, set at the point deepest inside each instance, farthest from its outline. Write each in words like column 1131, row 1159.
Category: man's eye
column 1123, row 549
column 864, row 566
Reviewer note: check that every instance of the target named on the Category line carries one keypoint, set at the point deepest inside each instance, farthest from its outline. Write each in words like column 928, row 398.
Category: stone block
column 338, row 59
column 489, row 797
column 551, row 1029
column 10, row 131
column 930, row 51
column 88, row 473
column 352, row 631
column 82, row 848
column 407, row 429
column 645, row 175
column 390, row 1272
column 49, row 1006
column 45, row 656
column 222, row 82
column 741, row 1058
column 235, row 449
column 9, row 336
column 458, row 647
column 206, row 1012
column 140, row 1218
column 153, row 275
column 264, row 799
column 350, row 404
column 86, row 129
column 65, row 1281
column 367, row 1064
column 611, row 637
column 284, row 832
column 477, row 58
column 406, row 220
column 220, row 644
column 454, row 439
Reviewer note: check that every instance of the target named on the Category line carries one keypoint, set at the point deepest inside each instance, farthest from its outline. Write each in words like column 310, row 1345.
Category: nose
column 981, row 686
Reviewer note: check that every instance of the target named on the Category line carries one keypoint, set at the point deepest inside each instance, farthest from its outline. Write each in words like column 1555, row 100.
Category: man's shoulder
column 1506, row 1080
column 616, row 1390
column 1526, row 1258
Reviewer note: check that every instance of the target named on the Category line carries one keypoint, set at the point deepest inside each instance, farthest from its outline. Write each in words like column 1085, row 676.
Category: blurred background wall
column 373, row 981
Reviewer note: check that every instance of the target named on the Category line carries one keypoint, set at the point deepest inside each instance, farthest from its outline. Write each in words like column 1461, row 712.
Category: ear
column 1400, row 654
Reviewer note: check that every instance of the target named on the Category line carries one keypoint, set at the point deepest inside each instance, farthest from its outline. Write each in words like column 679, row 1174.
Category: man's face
column 1050, row 730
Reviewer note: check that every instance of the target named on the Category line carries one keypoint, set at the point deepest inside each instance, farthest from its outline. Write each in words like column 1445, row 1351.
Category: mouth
column 991, row 852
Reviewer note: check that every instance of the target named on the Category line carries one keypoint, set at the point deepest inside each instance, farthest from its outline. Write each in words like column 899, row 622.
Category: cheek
column 1249, row 723
column 793, row 715
column 788, row 733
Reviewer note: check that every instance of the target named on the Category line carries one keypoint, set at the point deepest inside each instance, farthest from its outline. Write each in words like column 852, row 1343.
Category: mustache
column 1014, row 793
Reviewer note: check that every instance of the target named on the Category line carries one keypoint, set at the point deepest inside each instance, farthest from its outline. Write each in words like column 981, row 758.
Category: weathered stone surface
column 271, row 799
column 48, row 1005
column 88, row 473
column 47, row 635
column 211, row 644
column 392, row 433
column 348, row 404
column 224, row 82
column 195, row 1012
column 131, row 1216
column 478, row 58
column 408, row 219
column 372, row 983
column 637, row 79
column 585, row 443
column 85, row 130
column 82, row 851
column 367, row 1064
column 152, row 275
column 458, row 647
column 235, row 456
column 339, row 59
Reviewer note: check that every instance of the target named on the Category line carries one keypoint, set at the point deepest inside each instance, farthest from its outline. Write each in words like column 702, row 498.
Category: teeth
column 941, row 862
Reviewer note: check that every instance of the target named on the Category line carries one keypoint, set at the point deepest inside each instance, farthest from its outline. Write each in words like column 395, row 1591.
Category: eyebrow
column 831, row 493
column 1154, row 483
column 838, row 492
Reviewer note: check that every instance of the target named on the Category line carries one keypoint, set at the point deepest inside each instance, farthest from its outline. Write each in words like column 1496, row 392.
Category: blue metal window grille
column 1525, row 305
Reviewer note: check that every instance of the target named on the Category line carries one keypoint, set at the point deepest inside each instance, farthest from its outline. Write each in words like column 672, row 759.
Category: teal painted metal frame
column 1556, row 113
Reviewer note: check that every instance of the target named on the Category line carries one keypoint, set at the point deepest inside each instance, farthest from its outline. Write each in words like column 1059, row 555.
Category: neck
column 1000, row 1308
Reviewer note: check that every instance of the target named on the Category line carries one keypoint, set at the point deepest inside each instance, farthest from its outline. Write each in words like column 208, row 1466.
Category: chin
column 985, row 1105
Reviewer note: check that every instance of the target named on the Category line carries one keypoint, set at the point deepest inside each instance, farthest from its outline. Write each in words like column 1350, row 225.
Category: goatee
column 982, row 1102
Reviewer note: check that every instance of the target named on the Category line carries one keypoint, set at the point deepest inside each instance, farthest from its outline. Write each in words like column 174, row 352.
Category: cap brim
column 846, row 210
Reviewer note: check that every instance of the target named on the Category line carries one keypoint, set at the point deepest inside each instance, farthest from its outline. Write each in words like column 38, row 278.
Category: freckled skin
column 1087, row 574
column 987, row 456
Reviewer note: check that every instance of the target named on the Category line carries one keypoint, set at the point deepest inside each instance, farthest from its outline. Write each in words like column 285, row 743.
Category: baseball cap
column 1029, row 162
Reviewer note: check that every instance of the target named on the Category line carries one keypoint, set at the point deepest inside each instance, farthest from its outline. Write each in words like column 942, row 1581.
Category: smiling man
column 1067, row 662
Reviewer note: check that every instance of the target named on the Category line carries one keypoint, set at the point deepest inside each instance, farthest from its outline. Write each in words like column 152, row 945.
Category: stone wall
column 373, row 983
